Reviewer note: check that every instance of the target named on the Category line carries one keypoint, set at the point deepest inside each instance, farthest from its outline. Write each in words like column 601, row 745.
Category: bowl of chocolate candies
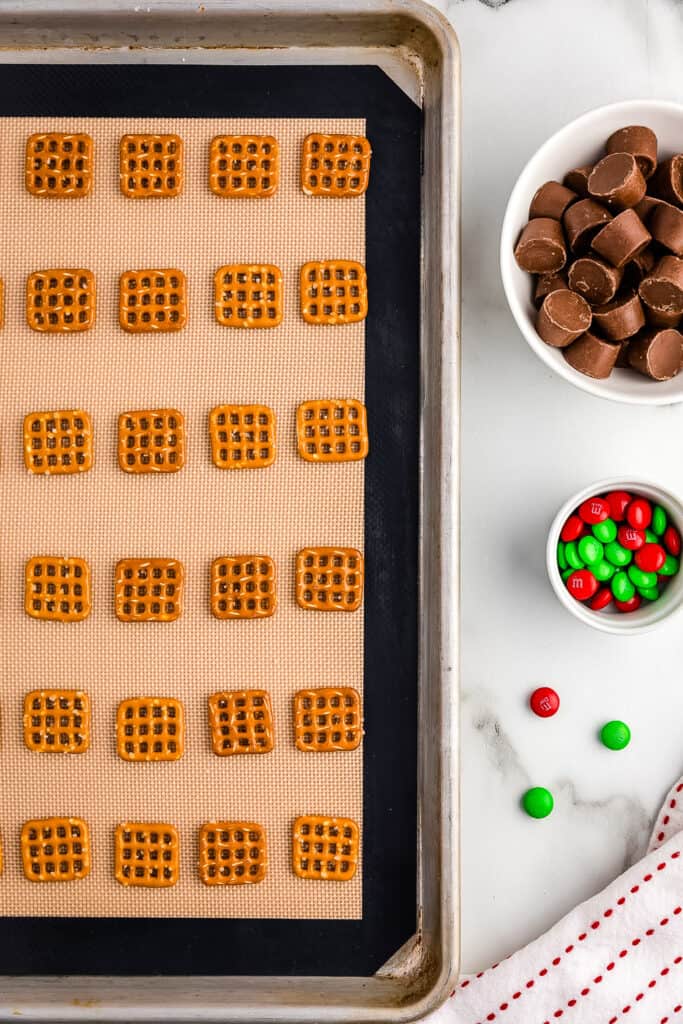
column 592, row 252
column 614, row 555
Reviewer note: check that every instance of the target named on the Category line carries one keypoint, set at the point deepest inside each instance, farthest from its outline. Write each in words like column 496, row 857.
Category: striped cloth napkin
column 616, row 958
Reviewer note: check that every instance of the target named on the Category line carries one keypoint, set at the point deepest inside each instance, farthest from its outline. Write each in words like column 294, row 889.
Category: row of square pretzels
column 60, row 442
column 151, row 589
column 61, row 165
column 63, row 300
column 147, row 854
column 326, row 719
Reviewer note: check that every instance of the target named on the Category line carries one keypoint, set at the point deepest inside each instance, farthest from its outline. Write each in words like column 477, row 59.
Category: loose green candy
column 658, row 520
column 561, row 560
column 617, row 555
column 567, row 573
column 603, row 571
column 615, row 735
column 538, row 802
column 670, row 567
column 649, row 593
column 651, row 537
column 641, row 579
column 606, row 531
column 572, row 555
column 590, row 550
column 622, row 588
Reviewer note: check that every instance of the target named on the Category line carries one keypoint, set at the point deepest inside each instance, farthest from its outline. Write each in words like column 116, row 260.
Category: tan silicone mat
column 194, row 516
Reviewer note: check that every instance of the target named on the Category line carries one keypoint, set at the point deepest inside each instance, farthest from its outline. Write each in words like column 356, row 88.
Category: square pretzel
column 325, row 848
column 152, row 441
column 243, row 587
column 146, row 854
column 152, row 300
column 248, row 295
column 327, row 719
column 335, row 165
column 59, row 165
column 232, row 853
column 334, row 292
column 150, row 729
column 244, row 166
column 58, row 443
column 55, row 849
column 242, row 436
column 57, row 589
column 332, row 430
column 57, row 721
column 241, row 722
column 60, row 301
column 148, row 589
column 329, row 579
column 151, row 166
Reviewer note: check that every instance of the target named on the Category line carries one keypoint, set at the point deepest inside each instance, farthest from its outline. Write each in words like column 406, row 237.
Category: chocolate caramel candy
column 596, row 280
column 622, row 362
column 548, row 283
column 666, row 225
column 639, row 267
column 551, row 200
column 669, row 179
column 617, row 181
column 581, row 222
column 622, row 239
column 640, row 142
column 661, row 291
column 592, row 355
column 657, row 353
column 621, row 318
column 577, row 180
column 541, row 247
column 562, row 318
column 646, row 205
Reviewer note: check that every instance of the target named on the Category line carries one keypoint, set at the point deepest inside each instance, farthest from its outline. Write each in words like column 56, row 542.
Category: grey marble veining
column 530, row 439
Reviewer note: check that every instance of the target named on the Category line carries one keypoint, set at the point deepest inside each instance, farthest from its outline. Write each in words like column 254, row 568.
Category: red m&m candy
column 639, row 514
column 650, row 558
column 544, row 702
column 572, row 529
column 617, row 501
column 602, row 599
column 630, row 538
column 630, row 606
column 594, row 510
column 582, row 584
column 672, row 540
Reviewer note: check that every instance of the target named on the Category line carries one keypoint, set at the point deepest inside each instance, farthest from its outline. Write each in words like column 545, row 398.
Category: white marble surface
column 530, row 439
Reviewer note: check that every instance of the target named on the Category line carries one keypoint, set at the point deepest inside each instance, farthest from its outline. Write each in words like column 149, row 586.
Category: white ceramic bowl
column 649, row 614
column 582, row 142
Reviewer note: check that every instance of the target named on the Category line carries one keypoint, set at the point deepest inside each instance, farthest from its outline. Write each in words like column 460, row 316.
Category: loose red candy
column 672, row 540
column 617, row 501
column 582, row 584
column 594, row 510
column 650, row 558
column 601, row 599
column 630, row 538
column 572, row 529
column 544, row 702
column 639, row 514
column 630, row 606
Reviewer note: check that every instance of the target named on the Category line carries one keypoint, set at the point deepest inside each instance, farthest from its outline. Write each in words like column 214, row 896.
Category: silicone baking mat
column 194, row 516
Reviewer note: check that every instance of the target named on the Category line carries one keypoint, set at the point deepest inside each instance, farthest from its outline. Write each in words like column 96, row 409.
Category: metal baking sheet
column 415, row 47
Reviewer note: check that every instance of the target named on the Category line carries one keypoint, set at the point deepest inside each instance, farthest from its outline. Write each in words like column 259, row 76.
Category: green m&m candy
column 617, row 555
column 561, row 559
column 567, row 573
column 641, row 579
column 659, row 521
column 622, row 588
column 649, row 593
column 590, row 550
column 603, row 571
column 538, row 802
column 606, row 531
column 615, row 735
column 670, row 567
column 571, row 553
column 650, row 537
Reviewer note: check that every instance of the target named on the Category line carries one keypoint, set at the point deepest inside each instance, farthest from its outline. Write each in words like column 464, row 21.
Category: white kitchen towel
column 616, row 958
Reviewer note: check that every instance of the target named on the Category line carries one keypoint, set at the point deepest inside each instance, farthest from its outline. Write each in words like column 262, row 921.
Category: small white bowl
column 649, row 614
column 582, row 142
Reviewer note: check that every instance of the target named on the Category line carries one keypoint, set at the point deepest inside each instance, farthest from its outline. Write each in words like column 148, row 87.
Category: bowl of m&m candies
column 614, row 555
